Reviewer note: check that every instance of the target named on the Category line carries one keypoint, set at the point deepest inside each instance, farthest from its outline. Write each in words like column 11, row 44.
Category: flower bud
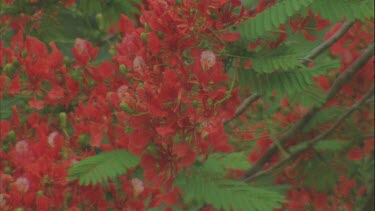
column 12, row 135
column 8, row 67
column 125, row 107
column 123, row 69
column 7, row 170
column 100, row 21
column 84, row 140
column 144, row 37
column 40, row 193
column 62, row 119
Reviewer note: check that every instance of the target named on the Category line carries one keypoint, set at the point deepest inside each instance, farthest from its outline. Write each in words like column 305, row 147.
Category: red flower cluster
column 169, row 93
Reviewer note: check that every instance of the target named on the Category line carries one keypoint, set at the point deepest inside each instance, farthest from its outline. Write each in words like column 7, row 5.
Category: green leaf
column 99, row 168
column 318, row 174
column 227, row 194
column 6, row 105
column 336, row 10
column 219, row 162
column 311, row 96
column 281, row 58
column 284, row 82
column 271, row 18
column 323, row 117
column 323, row 146
column 331, row 145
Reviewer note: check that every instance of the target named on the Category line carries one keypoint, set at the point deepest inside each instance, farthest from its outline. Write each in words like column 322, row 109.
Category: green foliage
column 313, row 95
column 323, row 146
column 271, row 18
column 281, row 58
column 205, row 184
column 318, row 174
column 290, row 82
column 102, row 167
column 249, row 3
column 336, row 10
column 6, row 105
column 323, row 117
column 219, row 162
column 203, row 188
column 110, row 9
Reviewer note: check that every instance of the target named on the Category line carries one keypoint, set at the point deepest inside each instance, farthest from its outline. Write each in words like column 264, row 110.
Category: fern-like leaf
column 220, row 162
column 101, row 167
column 284, row 82
column 336, row 10
column 270, row 19
column 227, row 194
column 282, row 58
column 323, row 117
column 323, row 145
column 313, row 95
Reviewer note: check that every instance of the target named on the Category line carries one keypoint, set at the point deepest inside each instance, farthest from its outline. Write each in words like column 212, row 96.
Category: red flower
column 37, row 104
column 4, row 129
column 83, row 51
column 56, row 92
column 356, row 154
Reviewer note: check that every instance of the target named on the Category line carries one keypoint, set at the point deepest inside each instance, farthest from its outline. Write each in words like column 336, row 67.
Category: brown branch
column 313, row 54
column 244, row 105
column 320, row 137
column 328, row 43
column 335, row 88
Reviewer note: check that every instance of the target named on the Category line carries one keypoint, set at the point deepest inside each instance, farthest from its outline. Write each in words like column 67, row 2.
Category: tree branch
column 320, row 137
column 335, row 88
column 242, row 108
column 328, row 43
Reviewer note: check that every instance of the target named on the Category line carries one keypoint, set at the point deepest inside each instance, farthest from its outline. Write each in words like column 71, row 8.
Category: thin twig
column 335, row 88
column 312, row 142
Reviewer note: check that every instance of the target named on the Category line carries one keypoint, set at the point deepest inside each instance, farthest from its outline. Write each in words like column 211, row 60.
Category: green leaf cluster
column 204, row 184
column 336, row 10
column 102, row 167
column 288, row 81
column 271, row 18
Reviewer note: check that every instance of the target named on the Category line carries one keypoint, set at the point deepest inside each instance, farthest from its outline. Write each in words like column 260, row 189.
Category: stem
column 229, row 92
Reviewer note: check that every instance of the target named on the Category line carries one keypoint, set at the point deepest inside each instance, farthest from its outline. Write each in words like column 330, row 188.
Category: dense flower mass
column 167, row 94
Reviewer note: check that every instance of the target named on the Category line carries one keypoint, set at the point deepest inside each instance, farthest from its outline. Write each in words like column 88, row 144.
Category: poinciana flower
column 83, row 51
